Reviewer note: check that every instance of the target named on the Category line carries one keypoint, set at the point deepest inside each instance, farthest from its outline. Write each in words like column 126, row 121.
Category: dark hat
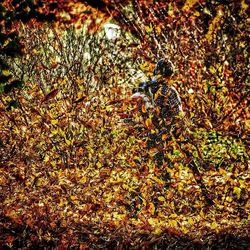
column 164, row 68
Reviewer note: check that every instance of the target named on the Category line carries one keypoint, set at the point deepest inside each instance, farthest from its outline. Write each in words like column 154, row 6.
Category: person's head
column 164, row 68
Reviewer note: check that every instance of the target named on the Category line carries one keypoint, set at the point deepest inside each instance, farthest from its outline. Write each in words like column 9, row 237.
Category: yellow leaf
column 62, row 133
column 214, row 225
column 98, row 164
column 67, row 142
column 144, row 66
column 151, row 208
column 83, row 179
column 63, row 202
column 222, row 171
column 109, row 198
column 190, row 221
column 46, row 158
column 154, row 131
column 152, row 221
column 189, row 4
column 79, row 81
column 184, row 230
column 244, row 5
column 196, row 13
column 73, row 197
column 118, row 216
column 158, row 230
column 6, row 72
column 149, row 28
column 54, row 132
column 173, row 223
column 38, row 182
column 221, row 207
column 212, row 69
column 161, row 198
column 54, row 122
column 173, row 216
column 53, row 163
column 157, row 180
column 125, row 186
column 35, row 51
column 172, row 204
column 6, row 43
column 202, row 213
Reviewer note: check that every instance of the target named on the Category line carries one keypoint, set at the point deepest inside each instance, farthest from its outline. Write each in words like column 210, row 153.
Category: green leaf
column 14, row 84
column 237, row 191
column 1, row 89
column 13, row 104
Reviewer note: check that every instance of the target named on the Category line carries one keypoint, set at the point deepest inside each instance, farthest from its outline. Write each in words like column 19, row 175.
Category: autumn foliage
column 74, row 173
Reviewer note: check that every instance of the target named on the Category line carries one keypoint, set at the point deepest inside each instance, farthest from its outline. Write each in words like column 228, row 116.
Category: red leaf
column 50, row 95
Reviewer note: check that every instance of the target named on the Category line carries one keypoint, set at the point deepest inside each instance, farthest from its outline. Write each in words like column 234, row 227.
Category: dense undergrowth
column 91, row 180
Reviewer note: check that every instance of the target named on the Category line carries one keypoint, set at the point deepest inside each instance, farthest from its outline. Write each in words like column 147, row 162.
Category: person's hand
column 137, row 95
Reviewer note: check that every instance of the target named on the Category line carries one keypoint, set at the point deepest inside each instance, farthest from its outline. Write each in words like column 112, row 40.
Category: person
column 163, row 105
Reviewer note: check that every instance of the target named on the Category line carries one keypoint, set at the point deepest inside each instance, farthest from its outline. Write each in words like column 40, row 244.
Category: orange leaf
column 10, row 239
column 149, row 123
column 143, row 109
